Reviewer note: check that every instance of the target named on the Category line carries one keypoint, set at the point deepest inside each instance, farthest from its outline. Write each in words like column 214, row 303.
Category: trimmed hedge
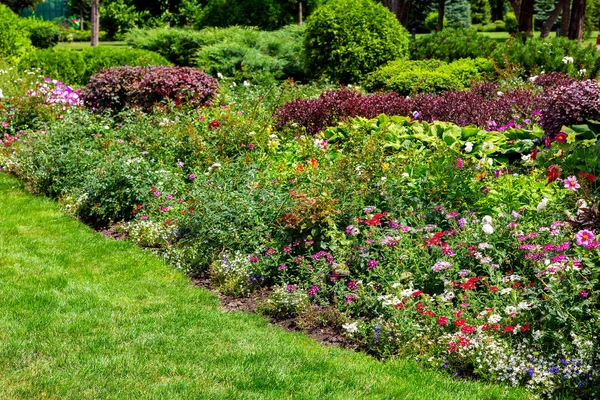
column 14, row 39
column 429, row 76
column 76, row 67
column 43, row 34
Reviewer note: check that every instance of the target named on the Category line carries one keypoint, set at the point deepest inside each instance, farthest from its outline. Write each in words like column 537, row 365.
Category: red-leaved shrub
column 116, row 87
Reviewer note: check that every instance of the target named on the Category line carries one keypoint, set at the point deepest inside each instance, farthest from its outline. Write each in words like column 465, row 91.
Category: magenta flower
column 192, row 176
column 584, row 237
column 352, row 285
column 459, row 163
column 253, row 259
column 313, row 290
column 571, row 183
column 372, row 264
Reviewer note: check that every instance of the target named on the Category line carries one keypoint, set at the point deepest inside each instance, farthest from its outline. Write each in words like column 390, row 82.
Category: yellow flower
column 385, row 166
column 571, row 138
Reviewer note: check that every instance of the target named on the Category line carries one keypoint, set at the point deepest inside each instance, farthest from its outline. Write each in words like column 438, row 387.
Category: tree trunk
column 516, row 6
column 526, row 17
column 95, row 22
column 577, row 20
column 441, row 11
column 300, row 12
column 552, row 19
column 81, row 19
column 498, row 10
column 400, row 8
column 566, row 18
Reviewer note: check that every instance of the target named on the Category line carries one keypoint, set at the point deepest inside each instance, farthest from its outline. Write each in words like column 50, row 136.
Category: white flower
column 407, row 292
column 567, row 60
column 246, row 84
column 526, row 157
column 487, row 146
column 468, row 147
column 510, row 310
column 487, row 228
column 525, row 306
column 542, row 204
column 1, row 94
column 487, row 219
column 494, row 318
column 500, row 93
column 536, row 335
column 351, row 327
column 582, row 71
column 533, row 78
column 505, row 291
column 489, row 161
column 215, row 165
column 220, row 75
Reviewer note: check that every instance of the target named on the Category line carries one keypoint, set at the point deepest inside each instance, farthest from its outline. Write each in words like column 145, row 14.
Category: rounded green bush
column 510, row 22
column 14, row 40
column 43, row 34
column 347, row 39
column 432, row 20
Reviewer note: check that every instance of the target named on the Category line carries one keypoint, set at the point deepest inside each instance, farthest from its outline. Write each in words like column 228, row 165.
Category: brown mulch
column 328, row 335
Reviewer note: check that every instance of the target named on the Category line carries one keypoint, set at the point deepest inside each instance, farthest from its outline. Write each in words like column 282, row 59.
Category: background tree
column 18, row 5
column 577, row 23
column 441, row 15
column 458, row 13
column 481, row 12
column 95, row 12
column 525, row 17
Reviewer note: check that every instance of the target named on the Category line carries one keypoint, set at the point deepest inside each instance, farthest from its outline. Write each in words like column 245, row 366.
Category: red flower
column 399, row 305
column 493, row 288
column 467, row 329
column 463, row 341
column 534, row 154
column 485, row 327
column 470, row 285
column 554, row 172
column 509, row 328
column 441, row 321
column 429, row 313
column 525, row 328
column 314, row 162
column 214, row 124
column 459, row 322
column 167, row 222
column 416, row 293
column 561, row 137
column 590, row 177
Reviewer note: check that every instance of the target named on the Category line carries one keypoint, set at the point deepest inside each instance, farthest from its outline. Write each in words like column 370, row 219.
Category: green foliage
column 458, row 13
column 481, row 12
column 452, row 44
column 118, row 17
column 18, row 5
column 179, row 46
column 537, row 55
column 76, row 35
column 14, row 38
column 346, row 39
column 43, row 34
column 511, row 23
column 254, row 55
column 264, row 14
column 432, row 20
column 431, row 76
column 76, row 67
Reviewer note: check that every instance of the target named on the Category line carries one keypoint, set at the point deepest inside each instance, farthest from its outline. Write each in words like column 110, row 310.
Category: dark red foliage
column 116, row 87
column 570, row 105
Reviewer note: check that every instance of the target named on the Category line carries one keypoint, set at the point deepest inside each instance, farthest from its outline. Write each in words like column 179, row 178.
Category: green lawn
column 83, row 45
column 86, row 317
column 503, row 36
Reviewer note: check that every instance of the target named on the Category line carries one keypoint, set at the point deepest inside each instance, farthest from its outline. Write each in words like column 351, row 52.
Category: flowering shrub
column 58, row 93
column 285, row 301
column 117, row 87
column 233, row 275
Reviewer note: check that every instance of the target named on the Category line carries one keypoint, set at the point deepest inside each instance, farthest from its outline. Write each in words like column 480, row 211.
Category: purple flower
column 290, row 288
column 571, row 183
column 192, row 176
column 313, row 290
column 462, row 222
column 459, row 163
column 584, row 237
column 282, row 267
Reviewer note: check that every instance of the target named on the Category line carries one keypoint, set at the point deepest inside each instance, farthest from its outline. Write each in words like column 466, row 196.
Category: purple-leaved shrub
column 116, row 87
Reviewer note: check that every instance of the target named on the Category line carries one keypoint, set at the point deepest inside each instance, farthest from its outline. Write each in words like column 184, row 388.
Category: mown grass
column 84, row 45
column 86, row 317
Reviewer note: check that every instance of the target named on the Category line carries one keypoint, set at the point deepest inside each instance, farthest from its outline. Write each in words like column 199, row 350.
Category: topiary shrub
column 347, row 39
column 429, row 76
column 117, row 87
column 76, row 67
column 510, row 23
column 452, row 44
column 14, row 39
column 43, row 34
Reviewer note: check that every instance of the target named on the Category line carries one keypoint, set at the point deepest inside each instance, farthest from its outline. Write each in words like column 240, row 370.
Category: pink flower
column 352, row 285
column 459, row 163
column 571, row 183
column 350, row 298
column 442, row 321
column 584, row 237
column 371, row 264
column 192, row 176
column 313, row 290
